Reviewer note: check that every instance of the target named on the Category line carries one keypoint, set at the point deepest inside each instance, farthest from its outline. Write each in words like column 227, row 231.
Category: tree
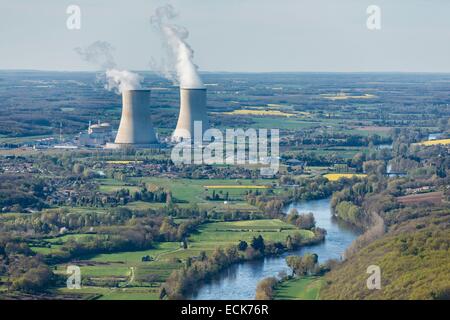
column 242, row 246
column 264, row 290
column 78, row 168
column 34, row 280
column 258, row 244
column 305, row 221
column 292, row 216
column 188, row 262
column 202, row 256
column 162, row 293
column 289, row 243
column 301, row 266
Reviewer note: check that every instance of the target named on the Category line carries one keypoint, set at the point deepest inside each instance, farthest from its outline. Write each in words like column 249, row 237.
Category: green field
column 305, row 288
column 220, row 234
column 104, row 293
column 113, row 185
column 186, row 192
column 54, row 244
column 104, row 270
column 141, row 205
column 26, row 139
column 192, row 191
column 125, row 275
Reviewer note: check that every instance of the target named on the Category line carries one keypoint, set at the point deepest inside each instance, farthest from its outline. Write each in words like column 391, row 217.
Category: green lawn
column 113, row 185
column 141, row 205
column 134, row 257
column 55, row 243
column 305, row 288
column 216, row 234
column 104, row 293
column 193, row 190
column 25, row 139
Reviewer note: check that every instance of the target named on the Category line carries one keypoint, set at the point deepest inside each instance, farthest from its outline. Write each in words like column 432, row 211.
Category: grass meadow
column 305, row 288
column 124, row 275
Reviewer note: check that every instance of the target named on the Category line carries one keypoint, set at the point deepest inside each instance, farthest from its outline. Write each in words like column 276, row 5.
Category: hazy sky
column 234, row 35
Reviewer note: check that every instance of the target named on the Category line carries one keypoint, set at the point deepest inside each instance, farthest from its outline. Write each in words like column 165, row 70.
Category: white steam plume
column 100, row 53
column 178, row 50
column 120, row 80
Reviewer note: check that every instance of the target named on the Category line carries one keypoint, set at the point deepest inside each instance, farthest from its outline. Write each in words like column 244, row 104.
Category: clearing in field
column 430, row 197
column 112, row 186
column 236, row 187
column 344, row 96
column 305, row 288
column 374, row 129
column 194, row 191
column 212, row 235
column 337, row 176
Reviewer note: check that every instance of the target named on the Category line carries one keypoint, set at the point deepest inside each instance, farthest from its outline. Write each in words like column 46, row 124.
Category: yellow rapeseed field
column 252, row 112
column 337, row 176
column 122, row 161
column 435, row 142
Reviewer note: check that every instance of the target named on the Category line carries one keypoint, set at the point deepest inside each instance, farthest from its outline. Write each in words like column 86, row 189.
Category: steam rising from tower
column 100, row 54
column 180, row 67
column 182, row 70
column 135, row 127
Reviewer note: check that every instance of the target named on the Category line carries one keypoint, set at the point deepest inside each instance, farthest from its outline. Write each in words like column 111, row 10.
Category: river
column 239, row 281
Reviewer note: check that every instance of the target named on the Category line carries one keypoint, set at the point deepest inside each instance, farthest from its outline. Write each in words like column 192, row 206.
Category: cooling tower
column 192, row 108
column 135, row 129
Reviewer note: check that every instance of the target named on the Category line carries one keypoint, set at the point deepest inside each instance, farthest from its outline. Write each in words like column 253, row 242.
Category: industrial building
column 136, row 128
column 97, row 135
column 192, row 108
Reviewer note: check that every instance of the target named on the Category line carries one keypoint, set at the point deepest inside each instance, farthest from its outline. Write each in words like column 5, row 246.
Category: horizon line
column 235, row 72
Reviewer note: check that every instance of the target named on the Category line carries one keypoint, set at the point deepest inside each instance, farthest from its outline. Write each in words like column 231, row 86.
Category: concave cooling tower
column 135, row 127
column 192, row 108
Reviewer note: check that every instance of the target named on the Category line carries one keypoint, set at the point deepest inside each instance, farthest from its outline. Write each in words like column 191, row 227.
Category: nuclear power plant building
column 192, row 108
column 135, row 129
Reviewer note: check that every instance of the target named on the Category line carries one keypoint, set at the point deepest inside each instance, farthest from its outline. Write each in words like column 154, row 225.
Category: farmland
column 189, row 191
column 430, row 197
column 337, row 176
column 124, row 275
column 274, row 113
column 435, row 142
column 132, row 218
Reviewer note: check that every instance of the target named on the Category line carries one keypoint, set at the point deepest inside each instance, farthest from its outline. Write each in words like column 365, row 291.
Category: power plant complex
column 136, row 128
